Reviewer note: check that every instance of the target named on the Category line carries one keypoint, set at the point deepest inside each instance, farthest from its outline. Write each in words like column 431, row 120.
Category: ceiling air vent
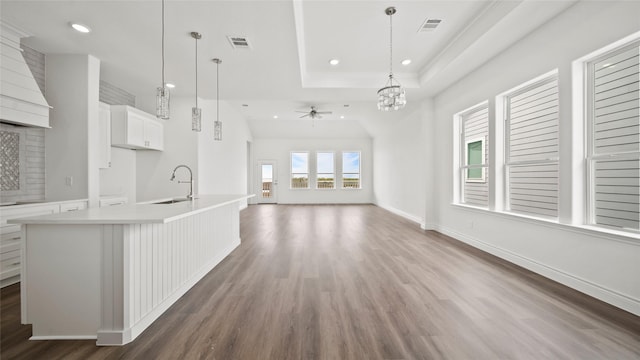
column 239, row 42
column 429, row 25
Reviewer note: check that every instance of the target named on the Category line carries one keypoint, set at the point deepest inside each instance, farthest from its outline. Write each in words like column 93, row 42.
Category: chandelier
column 196, row 112
column 162, row 94
column 392, row 95
column 217, row 125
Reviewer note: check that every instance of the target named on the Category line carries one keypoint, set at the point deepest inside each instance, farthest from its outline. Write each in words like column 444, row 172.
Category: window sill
column 589, row 230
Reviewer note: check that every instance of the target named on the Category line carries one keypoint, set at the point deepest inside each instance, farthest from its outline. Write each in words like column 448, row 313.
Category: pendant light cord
column 196, row 71
column 163, row 84
column 217, row 91
column 391, row 46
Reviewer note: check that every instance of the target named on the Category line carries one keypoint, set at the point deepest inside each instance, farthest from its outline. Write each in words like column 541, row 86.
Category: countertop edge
column 54, row 219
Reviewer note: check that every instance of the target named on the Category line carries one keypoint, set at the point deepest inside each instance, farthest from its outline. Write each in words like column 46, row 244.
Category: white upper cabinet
column 105, row 136
column 135, row 129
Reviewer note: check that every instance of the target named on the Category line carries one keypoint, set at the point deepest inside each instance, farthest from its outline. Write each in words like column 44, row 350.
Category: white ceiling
column 287, row 67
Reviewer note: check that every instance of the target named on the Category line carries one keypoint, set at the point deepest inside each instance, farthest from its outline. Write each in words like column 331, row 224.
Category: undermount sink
column 172, row 201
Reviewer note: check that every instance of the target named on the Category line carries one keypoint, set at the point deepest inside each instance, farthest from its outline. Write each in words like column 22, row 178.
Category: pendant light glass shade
column 162, row 103
column 196, row 119
column 217, row 125
column 392, row 95
column 163, row 95
column 217, row 130
column 196, row 112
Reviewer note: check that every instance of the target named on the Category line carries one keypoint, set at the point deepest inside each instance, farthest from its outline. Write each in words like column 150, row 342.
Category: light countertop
column 142, row 213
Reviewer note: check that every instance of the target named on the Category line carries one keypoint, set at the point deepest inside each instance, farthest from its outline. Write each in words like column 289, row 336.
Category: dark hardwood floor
column 356, row 282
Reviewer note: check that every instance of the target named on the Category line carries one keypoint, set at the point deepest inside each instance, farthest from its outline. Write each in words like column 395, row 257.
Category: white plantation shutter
column 475, row 128
column 532, row 148
column 614, row 128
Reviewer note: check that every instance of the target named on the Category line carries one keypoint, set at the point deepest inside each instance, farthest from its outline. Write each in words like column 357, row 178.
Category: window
column 531, row 151
column 613, row 123
column 351, row 170
column 325, row 171
column 299, row 170
column 474, row 133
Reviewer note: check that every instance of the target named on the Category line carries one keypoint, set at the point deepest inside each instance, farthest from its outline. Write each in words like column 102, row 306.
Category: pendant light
column 162, row 95
column 196, row 112
column 217, row 125
column 392, row 95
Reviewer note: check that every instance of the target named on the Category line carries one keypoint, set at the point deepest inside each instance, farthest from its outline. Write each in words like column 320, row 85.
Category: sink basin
column 172, row 201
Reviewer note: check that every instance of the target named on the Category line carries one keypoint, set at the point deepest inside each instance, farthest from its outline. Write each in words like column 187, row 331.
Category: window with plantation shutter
column 474, row 155
column 613, row 123
column 531, row 139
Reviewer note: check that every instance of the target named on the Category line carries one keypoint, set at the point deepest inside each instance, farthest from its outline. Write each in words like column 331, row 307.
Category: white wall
column 400, row 170
column 280, row 150
column 72, row 83
column 120, row 178
column 153, row 168
column 605, row 266
column 222, row 165
column 218, row 167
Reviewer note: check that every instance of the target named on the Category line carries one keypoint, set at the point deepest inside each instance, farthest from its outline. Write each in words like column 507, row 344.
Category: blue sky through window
column 350, row 163
column 267, row 172
column 299, row 162
column 325, row 163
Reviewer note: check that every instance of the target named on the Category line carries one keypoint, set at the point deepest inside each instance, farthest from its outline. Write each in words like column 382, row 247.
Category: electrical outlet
column 68, row 180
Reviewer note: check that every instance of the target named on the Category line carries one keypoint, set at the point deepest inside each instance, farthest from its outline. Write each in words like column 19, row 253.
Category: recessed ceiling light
column 334, row 62
column 346, row 105
column 341, row 116
column 406, row 62
column 170, row 85
column 275, row 116
column 80, row 27
column 245, row 105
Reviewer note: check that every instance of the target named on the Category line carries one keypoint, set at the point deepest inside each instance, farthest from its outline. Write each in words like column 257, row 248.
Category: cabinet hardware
column 15, row 238
column 15, row 263
column 74, row 209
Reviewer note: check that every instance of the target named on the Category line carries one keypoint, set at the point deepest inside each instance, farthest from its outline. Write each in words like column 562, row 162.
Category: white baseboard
column 597, row 291
column 404, row 214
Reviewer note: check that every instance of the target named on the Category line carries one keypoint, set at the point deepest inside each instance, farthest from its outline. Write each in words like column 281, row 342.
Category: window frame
column 508, row 164
column 481, row 166
column 342, row 173
column 318, row 173
column 291, row 173
column 591, row 157
column 461, row 166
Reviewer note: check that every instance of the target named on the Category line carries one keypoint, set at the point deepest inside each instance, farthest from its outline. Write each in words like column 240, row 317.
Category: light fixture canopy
column 162, row 94
column 196, row 112
column 392, row 95
column 217, row 125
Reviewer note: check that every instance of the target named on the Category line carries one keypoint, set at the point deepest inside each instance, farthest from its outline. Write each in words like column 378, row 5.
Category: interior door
column 268, row 182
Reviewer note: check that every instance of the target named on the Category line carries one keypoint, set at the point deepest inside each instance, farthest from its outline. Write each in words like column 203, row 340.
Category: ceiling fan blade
column 305, row 115
column 324, row 112
column 304, row 112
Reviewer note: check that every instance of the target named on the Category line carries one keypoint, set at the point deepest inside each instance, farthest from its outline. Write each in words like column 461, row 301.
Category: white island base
column 109, row 281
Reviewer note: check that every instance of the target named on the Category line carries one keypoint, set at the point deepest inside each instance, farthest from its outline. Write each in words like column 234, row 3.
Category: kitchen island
column 108, row 273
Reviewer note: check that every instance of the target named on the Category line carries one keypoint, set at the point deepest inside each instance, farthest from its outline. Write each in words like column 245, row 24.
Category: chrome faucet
column 173, row 176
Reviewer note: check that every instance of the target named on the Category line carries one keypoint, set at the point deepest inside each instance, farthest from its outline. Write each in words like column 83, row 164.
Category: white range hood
column 21, row 101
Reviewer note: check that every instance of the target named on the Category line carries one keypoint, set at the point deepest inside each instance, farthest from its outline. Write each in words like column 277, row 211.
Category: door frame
column 274, row 187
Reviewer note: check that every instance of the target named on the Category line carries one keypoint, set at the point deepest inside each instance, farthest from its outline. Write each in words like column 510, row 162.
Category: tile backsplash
column 22, row 163
column 9, row 160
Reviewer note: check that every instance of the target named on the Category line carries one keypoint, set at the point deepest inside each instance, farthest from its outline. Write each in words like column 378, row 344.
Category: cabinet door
column 105, row 136
column 135, row 130
column 154, row 134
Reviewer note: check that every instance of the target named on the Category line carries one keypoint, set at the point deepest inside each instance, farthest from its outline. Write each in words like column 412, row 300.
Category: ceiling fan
column 313, row 113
